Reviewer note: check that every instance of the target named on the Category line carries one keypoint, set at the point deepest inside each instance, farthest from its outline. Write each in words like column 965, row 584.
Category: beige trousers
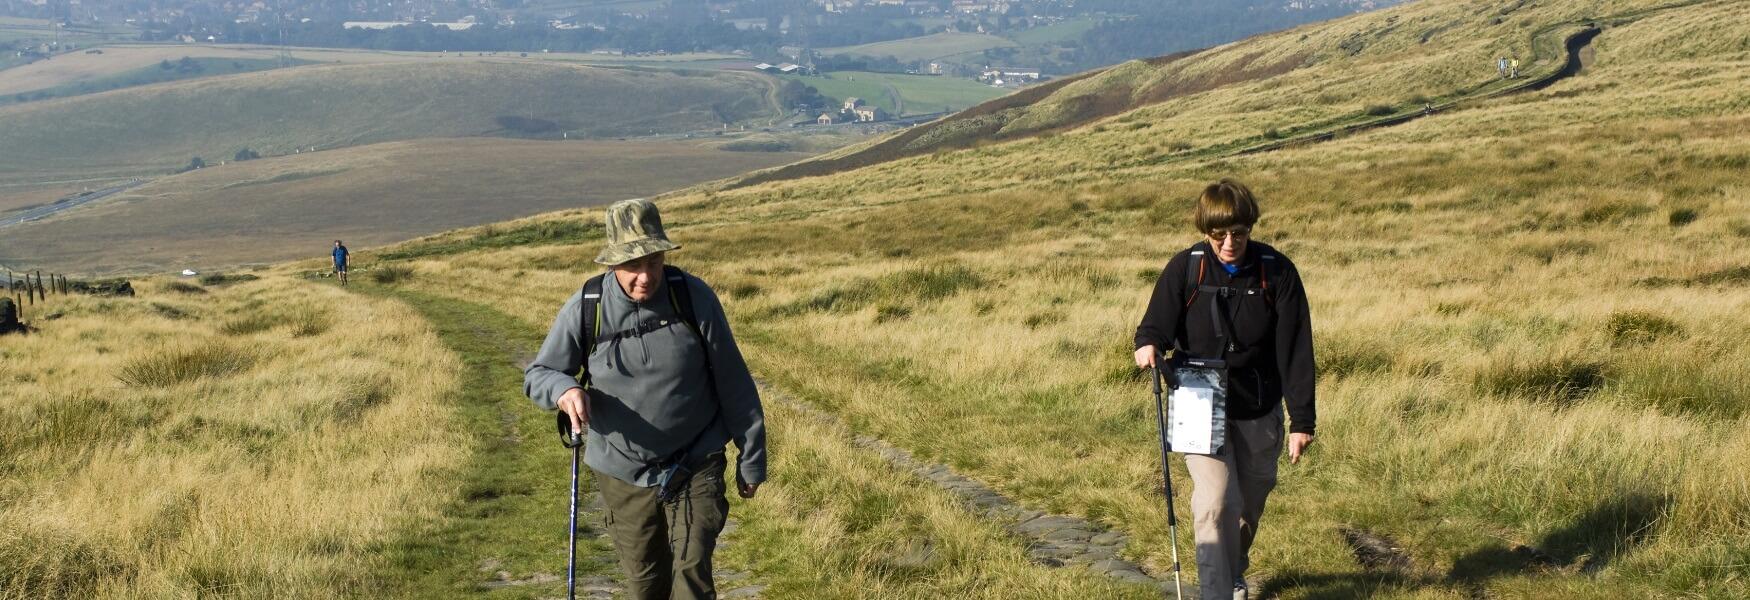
column 1228, row 490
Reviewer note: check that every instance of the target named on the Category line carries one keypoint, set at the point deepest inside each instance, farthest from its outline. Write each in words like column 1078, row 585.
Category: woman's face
column 1230, row 243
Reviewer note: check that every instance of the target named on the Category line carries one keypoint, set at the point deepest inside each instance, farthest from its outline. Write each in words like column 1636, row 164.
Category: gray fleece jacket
column 649, row 395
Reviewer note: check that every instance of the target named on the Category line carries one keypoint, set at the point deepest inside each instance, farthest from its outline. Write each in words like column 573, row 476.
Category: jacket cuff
column 751, row 474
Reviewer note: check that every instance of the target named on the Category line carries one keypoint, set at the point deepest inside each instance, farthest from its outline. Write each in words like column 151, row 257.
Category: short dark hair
column 1224, row 204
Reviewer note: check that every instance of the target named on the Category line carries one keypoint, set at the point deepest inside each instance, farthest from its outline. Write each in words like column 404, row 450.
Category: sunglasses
column 1238, row 233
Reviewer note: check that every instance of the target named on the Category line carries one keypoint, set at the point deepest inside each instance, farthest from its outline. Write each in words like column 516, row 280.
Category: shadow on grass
column 1586, row 545
column 1338, row 586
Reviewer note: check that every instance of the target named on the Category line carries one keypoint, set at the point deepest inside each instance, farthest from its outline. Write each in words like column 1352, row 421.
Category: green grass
column 921, row 94
column 924, row 48
column 203, row 67
column 494, row 236
column 512, row 494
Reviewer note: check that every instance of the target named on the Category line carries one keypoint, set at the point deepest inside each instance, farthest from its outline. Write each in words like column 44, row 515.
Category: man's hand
column 571, row 403
column 1297, row 444
column 1145, row 356
column 746, row 490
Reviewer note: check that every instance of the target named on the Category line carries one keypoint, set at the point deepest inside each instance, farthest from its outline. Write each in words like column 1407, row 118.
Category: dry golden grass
column 1527, row 310
column 252, row 440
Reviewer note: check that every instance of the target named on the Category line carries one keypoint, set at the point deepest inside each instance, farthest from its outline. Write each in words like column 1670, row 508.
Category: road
column 67, row 203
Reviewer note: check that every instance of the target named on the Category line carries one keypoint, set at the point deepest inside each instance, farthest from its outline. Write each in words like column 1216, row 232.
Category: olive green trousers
column 665, row 547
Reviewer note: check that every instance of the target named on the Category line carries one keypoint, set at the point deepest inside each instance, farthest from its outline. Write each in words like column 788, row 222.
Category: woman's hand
column 1145, row 357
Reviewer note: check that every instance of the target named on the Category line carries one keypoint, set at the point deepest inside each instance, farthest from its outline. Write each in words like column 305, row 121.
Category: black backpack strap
column 591, row 323
column 1195, row 283
column 682, row 298
column 1271, row 266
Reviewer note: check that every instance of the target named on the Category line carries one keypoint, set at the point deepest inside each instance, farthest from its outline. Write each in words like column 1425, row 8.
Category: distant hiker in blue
column 340, row 255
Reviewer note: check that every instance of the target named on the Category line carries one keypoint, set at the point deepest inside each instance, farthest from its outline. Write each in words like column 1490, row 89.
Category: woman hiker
column 1259, row 325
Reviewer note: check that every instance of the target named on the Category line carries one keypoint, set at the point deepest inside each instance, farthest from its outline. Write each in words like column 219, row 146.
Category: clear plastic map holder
column 1197, row 407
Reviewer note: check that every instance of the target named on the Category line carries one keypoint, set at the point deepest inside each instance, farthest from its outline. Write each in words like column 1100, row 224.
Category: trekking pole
column 574, row 441
column 1167, row 475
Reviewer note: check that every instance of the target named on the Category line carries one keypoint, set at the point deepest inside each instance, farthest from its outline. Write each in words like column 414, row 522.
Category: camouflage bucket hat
column 634, row 232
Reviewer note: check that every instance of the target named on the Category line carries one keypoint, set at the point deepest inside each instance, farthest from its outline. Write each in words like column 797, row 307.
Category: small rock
column 1067, row 535
column 752, row 591
column 1047, row 524
column 1110, row 538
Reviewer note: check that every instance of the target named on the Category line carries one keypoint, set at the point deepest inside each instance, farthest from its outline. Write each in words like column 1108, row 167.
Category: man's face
column 640, row 278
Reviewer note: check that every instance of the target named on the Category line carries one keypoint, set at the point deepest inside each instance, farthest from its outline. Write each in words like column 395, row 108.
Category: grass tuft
column 1558, row 379
column 1683, row 216
column 217, row 279
column 391, row 274
column 164, row 369
column 184, row 288
column 1637, row 328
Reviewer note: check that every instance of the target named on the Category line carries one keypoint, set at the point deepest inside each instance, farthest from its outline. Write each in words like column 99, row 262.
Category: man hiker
column 642, row 357
column 340, row 256
column 1233, row 298
column 1513, row 68
column 1501, row 67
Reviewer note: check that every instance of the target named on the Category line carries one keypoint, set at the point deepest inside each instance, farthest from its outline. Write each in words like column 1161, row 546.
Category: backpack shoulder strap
column 1270, row 267
column 1193, row 283
column 681, row 297
column 591, row 307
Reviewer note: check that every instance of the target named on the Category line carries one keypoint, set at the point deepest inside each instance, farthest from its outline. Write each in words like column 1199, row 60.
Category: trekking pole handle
column 571, row 439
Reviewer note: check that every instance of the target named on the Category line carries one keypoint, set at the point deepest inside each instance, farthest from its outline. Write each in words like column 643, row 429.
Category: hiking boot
column 1240, row 589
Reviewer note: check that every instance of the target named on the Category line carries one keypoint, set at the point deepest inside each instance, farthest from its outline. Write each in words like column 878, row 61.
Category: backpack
column 679, row 296
column 1268, row 264
column 674, row 471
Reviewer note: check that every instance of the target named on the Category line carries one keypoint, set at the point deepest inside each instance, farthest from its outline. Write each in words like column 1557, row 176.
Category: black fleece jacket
column 1272, row 357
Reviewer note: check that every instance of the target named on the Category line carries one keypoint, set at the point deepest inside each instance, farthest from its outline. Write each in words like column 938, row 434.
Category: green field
column 920, row 94
column 154, row 129
column 79, row 35
column 925, row 48
column 178, row 70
